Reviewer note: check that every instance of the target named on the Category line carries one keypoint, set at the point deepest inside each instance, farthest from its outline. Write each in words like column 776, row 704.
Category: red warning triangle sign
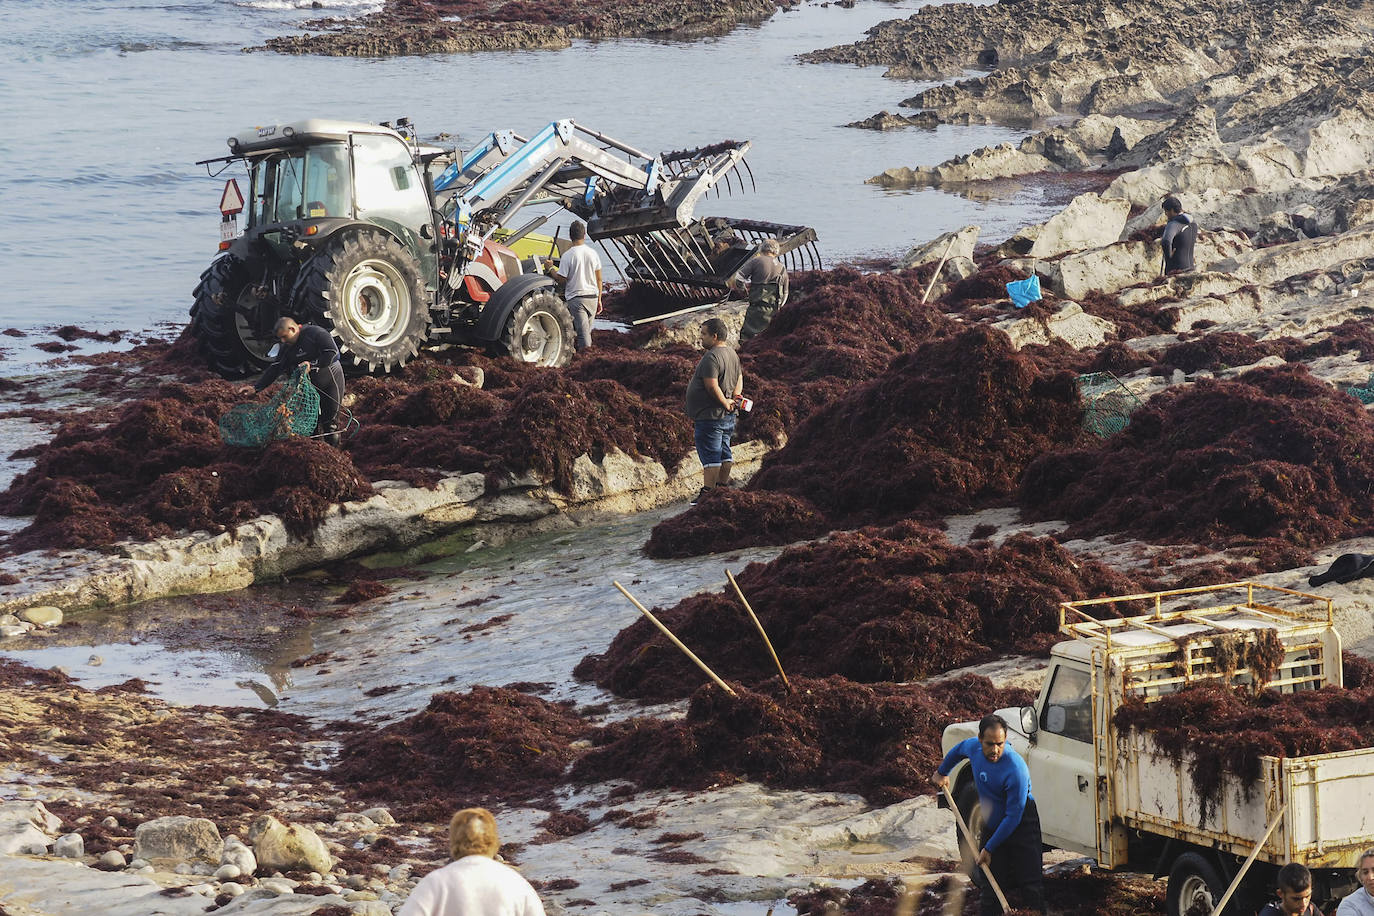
column 232, row 200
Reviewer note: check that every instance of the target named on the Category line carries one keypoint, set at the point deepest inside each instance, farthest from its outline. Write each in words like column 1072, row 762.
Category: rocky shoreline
column 926, row 368
column 405, row 27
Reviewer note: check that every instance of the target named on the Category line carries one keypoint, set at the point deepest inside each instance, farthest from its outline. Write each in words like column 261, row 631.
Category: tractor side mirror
column 1029, row 725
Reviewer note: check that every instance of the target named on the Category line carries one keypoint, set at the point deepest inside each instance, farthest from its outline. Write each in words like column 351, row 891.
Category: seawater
column 106, row 222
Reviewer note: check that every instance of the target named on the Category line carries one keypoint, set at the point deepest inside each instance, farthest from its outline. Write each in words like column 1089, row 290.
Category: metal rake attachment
column 694, row 264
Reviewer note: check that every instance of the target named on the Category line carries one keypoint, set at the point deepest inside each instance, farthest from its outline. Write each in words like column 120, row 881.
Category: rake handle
column 968, row 838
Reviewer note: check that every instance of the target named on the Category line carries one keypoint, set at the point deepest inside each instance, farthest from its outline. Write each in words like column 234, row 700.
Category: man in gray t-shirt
column 713, row 395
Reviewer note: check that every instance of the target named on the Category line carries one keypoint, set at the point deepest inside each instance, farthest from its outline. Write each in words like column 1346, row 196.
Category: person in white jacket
column 474, row 883
column 1361, row 902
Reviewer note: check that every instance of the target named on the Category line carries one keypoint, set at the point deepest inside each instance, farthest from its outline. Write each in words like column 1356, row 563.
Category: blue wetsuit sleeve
column 956, row 753
column 1017, row 787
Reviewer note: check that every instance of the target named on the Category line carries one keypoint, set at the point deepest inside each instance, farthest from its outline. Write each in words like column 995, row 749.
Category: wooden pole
column 973, row 845
column 766, row 641
column 1235, row 882
column 935, row 276
column 677, row 642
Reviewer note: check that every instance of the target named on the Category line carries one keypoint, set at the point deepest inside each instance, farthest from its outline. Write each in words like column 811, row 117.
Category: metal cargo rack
column 1208, row 631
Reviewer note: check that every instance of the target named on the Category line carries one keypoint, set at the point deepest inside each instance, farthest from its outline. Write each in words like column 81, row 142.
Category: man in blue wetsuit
column 1011, row 824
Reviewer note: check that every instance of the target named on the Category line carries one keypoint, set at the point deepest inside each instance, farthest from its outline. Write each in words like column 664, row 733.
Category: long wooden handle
column 1235, row 882
column 973, row 845
column 677, row 642
column 766, row 641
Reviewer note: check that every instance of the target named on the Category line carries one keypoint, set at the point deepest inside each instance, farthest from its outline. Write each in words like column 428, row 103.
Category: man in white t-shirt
column 474, row 883
column 580, row 277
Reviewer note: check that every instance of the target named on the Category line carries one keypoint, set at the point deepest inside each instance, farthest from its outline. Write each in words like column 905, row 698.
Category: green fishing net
column 1107, row 403
column 292, row 411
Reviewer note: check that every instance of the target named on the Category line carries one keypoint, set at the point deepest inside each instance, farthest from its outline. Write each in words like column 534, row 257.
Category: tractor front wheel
column 367, row 289
column 226, row 320
column 539, row 330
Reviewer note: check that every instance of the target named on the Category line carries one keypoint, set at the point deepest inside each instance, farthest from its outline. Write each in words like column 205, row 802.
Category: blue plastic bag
column 1024, row 292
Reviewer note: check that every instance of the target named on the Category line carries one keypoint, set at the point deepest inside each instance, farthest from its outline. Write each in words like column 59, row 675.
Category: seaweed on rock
column 880, row 740
column 944, row 429
column 1274, row 454
column 891, row 604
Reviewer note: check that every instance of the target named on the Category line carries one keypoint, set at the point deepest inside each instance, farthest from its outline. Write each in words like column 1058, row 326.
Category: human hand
column 939, row 780
column 305, row 364
column 984, row 857
column 599, row 307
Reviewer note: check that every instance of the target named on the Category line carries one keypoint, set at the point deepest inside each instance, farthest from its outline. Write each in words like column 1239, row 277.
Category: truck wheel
column 366, row 288
column 539, row 330
column 225, row 320
column 1194, row 886
column 971, row 809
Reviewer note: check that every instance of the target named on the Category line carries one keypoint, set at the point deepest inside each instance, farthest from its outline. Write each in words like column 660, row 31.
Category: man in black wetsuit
column 1180, row 234
column 314, row 347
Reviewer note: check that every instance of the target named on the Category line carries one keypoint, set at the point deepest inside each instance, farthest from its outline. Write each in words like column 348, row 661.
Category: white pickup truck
column 1115, row 797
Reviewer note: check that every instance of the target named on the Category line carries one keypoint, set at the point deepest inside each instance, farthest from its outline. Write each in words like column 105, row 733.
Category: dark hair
column 990, row 721
column 1295, row 877
column 577, row 231
column 715, row 327
column 1172, row 204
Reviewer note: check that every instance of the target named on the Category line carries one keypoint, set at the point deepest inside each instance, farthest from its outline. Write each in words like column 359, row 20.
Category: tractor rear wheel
column 367, row 289
column 539, row 330
column 225, row 320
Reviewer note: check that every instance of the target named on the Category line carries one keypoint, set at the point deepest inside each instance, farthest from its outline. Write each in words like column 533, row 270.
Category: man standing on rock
column 766, row 276
column 1011, row 823
column 1180, row 234
column 314, row 348
column 474, row 882
column 713, row 394
column 580, row 278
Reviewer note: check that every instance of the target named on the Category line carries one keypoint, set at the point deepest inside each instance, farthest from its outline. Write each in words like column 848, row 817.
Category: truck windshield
column 301, row 184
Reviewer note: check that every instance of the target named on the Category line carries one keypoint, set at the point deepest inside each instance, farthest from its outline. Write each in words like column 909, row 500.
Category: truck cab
column 1121, row 801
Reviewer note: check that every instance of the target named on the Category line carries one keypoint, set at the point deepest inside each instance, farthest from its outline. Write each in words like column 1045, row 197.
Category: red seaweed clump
column 726, row 519
column 1221, row 350
column 1075, row 894
column 878, row 740
column 1189, row 726
column 944, row 429
column 1275, row 453
column 893, row 604
column 490, row 743
column 159, row 466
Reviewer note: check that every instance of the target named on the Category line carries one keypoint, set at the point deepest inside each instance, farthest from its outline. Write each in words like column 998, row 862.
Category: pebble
column 279, row 886
column 71, row 846
column 112, row 859
column 26, row 791
column 9, row 631
column 8, row 620
column 181, row 868
column 380, row 816
column 381, row 869
column 43, row 616
column 399, row 873
column 110, row 823
column 145, row 870
column 355, row 882
column 232, row 888
column 138, row 863
column 361, row 895
column 95, row 661
column 228, row 872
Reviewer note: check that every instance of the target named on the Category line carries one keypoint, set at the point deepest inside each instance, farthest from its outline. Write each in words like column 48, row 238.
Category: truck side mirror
column 1029, row 725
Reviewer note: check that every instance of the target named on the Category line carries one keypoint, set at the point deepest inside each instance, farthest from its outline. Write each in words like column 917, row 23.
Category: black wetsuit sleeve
column 275, row 368
column 1167, row 239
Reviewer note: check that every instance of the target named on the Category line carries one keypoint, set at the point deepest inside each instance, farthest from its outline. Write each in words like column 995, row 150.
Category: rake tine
column 750, row 172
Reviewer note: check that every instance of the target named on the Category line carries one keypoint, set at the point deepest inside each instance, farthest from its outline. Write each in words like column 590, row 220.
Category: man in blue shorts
column 713, row 395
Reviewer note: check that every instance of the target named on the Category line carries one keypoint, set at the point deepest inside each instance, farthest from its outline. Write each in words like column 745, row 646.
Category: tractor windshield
column 301, row 184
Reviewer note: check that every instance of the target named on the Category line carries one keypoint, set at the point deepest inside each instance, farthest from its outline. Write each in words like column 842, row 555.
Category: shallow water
column 236, row 650
column 107, row 223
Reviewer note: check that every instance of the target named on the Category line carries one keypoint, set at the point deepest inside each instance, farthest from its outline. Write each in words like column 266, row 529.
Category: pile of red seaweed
column 891, row 604
column 881, row 741
column 1274, row 454
column 946, row 428
column 492, row 742
column 1075, row 894
column 1189, row 727
column 160, row 467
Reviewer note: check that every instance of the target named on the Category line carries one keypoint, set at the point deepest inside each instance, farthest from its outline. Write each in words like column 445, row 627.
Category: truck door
column 1063, row 779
